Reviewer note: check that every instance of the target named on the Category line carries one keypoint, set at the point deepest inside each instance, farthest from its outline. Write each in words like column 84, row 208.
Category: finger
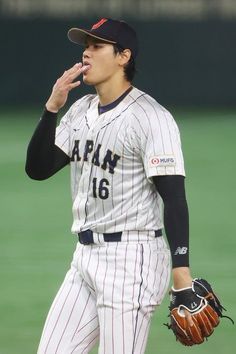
column 85, row 68
column 73, row 85
column 73, row 69
column 188, row 318
column 72, row 75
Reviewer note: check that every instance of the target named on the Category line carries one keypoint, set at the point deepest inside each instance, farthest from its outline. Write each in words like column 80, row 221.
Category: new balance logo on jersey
column 181, row 250
column 108, row 161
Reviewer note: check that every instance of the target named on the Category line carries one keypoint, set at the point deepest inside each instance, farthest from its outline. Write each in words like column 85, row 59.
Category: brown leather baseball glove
column 204, row 307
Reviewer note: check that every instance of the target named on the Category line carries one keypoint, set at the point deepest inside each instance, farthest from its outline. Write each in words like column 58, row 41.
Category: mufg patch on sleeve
column 162, row 161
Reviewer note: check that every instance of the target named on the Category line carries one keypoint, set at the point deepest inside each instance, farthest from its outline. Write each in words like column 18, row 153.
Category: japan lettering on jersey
column 113, row 157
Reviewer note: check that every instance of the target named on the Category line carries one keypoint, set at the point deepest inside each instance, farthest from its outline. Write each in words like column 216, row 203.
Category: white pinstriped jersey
column 113, row 155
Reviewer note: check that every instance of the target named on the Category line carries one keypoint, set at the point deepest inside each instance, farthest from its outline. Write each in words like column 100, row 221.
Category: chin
column 88, row 82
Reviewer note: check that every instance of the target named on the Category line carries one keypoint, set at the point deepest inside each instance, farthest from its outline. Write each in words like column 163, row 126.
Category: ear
column 125, row 56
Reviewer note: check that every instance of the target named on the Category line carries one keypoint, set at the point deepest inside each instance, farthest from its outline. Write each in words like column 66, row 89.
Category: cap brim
column 79, row 36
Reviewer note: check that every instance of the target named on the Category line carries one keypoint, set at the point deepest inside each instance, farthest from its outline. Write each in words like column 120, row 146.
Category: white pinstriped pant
column 108, row 295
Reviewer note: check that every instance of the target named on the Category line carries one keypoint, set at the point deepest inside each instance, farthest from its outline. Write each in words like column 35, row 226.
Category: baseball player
column 124, row 152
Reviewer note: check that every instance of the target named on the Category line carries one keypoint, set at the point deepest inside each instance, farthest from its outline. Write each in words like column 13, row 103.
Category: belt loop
column 86, row 237
column 158, row 233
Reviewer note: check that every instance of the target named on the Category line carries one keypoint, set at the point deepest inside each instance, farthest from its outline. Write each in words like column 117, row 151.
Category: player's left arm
column 158, row 139
column 202, row 308
column 176, row 218
column 176, row 221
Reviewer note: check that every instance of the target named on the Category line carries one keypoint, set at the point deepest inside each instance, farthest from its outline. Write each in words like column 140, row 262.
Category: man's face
column 104, row 63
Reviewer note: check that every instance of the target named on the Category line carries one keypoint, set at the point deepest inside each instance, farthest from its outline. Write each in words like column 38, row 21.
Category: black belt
column 86, row 237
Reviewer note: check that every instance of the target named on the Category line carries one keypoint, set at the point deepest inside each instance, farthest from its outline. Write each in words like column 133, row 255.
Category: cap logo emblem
column 100, row 23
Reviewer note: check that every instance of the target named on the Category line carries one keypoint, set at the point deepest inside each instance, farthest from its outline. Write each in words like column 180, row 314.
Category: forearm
column 44, row 158
column 176, row 222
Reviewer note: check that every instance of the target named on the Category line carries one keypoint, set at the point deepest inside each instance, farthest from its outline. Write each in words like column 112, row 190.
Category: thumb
column 188, row 317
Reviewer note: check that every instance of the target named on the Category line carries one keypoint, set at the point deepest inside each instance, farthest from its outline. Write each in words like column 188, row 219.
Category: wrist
column 49, row 115
column 181, row 277
column 51, row 108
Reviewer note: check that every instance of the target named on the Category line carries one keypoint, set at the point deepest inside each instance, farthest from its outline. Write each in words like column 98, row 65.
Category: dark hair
column 129, row 69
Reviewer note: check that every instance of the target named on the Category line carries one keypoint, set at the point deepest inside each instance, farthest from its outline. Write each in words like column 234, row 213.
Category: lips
column 86, row 66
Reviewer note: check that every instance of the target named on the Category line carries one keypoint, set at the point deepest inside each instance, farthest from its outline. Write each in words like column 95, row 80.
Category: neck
column 108, row 92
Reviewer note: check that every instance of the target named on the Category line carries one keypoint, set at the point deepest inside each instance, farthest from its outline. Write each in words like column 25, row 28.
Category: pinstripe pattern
column 110, row 294
column 124, row 311
column 135, row 337
column 113, row 288
column 72, row 323
column 137, row 129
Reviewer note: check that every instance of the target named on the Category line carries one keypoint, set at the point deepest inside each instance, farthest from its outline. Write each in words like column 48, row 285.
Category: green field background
column 36, row 244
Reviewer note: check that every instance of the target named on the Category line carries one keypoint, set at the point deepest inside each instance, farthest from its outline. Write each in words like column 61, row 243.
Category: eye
column 97, row 45
column 94, row 46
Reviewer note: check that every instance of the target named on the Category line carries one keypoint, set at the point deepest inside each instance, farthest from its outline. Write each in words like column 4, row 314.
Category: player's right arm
column 44, row 158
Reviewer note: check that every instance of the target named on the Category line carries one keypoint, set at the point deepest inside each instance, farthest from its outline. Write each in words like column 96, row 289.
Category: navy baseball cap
column 109, row 31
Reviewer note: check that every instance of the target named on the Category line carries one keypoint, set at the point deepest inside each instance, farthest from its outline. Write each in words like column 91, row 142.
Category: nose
column 86, row 53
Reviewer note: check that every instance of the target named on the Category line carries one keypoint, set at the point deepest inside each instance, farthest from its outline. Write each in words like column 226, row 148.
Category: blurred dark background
column 187, row 48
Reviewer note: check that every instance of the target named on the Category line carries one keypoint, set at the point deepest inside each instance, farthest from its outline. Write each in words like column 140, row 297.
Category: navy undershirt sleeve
column 44, row 158
column 176, row 218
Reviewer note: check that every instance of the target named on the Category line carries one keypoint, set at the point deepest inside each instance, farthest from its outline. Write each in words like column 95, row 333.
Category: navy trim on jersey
column 108, row 107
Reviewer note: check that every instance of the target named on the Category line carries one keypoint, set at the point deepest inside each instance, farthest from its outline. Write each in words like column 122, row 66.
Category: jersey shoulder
column 144, row 105
column 81, row 105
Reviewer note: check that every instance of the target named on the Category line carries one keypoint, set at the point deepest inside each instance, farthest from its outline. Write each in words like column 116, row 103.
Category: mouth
column 86, row 66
